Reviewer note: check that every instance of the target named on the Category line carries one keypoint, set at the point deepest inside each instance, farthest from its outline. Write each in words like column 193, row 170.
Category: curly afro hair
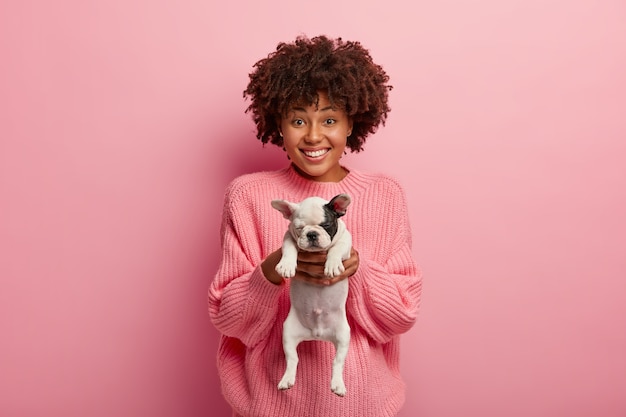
column 296, row 71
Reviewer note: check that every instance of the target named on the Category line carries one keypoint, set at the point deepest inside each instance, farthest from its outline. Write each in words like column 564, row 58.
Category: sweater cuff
column 262, row 291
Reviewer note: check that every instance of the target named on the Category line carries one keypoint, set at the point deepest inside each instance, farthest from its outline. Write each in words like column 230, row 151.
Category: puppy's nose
column 312, row 236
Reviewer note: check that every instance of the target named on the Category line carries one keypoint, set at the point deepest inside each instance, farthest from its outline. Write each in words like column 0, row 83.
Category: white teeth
column 314, row 154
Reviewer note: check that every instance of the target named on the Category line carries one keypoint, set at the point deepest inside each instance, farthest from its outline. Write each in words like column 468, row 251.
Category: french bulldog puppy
column 317, row 312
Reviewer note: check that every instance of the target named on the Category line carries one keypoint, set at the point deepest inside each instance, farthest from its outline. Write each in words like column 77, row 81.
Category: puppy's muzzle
column 312, row 237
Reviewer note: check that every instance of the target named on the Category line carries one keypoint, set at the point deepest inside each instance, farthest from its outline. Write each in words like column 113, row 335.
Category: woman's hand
column 311, row 268
column 268, row 266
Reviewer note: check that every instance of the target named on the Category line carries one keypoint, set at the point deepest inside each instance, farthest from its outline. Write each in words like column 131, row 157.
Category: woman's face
column 315, row 138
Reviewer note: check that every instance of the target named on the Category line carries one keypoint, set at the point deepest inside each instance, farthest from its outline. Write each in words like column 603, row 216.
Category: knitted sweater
column 249, row 310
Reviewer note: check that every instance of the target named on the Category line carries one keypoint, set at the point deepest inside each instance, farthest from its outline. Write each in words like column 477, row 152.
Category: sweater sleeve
column 385, row 293
column 242, row 302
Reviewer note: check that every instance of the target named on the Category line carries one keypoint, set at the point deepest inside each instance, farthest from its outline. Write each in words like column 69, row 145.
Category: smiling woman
column 316, row 98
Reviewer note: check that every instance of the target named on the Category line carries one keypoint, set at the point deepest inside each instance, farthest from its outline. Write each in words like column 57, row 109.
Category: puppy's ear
column 285, row 207
column 339, row 204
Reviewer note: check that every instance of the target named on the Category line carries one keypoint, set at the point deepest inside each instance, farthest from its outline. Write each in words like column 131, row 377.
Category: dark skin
column 310, row 267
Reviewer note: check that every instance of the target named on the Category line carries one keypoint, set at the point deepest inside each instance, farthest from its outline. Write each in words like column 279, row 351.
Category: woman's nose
column 314, row 134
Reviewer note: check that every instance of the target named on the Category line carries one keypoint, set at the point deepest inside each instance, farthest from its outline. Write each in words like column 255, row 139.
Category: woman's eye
column 330, row 121
column 298, row 122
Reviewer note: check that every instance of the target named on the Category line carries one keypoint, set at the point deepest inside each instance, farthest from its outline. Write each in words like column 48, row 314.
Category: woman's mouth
column 316, row 153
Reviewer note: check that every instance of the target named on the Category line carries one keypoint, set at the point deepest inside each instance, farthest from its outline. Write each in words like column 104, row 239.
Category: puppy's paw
column 286, row 268
column 338, row 387
column 286, row 383
column 333, row 267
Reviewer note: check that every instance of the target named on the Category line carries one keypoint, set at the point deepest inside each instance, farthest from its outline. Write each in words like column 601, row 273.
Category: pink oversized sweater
column 248, row 310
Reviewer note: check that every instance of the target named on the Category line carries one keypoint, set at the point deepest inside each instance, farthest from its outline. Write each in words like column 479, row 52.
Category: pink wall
column 122, row 121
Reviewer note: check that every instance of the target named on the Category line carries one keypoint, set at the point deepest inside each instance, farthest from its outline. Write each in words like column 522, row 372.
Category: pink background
column 121, row 122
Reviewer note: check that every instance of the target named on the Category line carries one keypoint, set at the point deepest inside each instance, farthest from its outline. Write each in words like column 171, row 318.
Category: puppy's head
column 314, row 222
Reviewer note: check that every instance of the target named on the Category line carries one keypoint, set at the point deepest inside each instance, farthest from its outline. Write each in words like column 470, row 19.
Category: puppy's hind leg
column 342, row 343
column 291, row 340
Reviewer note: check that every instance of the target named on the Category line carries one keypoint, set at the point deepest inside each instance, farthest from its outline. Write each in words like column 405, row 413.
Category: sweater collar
column 351, row 183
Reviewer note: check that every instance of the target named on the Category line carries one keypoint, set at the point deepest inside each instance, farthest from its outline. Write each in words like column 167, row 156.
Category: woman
column 316, row 98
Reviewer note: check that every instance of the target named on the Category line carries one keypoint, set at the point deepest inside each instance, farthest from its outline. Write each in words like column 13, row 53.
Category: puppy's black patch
column 330, row 221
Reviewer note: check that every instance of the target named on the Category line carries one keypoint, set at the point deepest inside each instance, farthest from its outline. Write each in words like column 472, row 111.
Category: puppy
column 317, row 312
